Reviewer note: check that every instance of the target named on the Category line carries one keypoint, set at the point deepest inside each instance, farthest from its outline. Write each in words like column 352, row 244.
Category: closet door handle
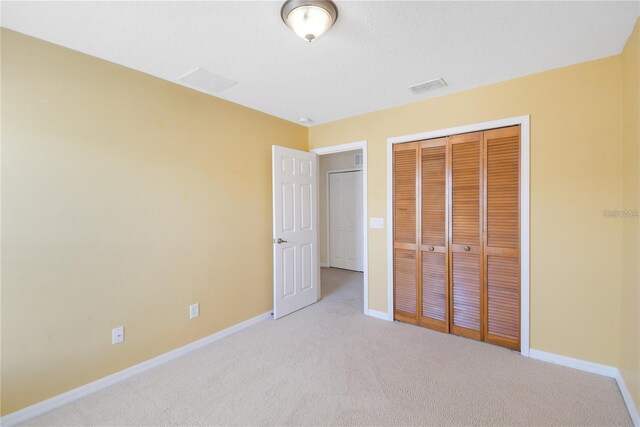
column 467, row 248
column 431, row 248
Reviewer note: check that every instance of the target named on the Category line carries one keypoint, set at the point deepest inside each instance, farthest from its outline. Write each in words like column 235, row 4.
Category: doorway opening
column 341, row 221
column 342, row 214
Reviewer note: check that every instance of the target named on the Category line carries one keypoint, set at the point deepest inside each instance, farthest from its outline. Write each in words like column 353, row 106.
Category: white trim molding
column 380, row 315
column 594, row 368
column 359, row 145
column 55, row 402
column 523, row 121
column 628, row 399
column 569, row 362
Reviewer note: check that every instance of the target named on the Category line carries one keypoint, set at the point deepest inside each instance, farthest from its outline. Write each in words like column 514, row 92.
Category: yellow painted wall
column 576, row 154
column 630, row 309
column 125, row 198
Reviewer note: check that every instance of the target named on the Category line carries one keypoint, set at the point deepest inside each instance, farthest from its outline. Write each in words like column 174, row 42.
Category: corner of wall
column 629, row 346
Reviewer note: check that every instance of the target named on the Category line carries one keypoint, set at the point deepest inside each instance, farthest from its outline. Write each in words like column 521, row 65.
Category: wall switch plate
column 376, row 222
column 194, row 310
column 117, row 335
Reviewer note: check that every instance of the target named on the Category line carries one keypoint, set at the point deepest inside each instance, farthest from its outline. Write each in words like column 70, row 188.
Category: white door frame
column 359, row 145
column 328, row 210
column 523, row 121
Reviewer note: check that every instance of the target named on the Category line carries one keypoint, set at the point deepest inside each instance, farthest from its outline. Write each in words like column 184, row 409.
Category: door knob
column 467, row 248
column 431, row 248
column 281, row 241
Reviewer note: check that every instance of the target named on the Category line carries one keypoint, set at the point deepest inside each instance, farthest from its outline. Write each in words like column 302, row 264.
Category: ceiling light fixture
column 309, row 19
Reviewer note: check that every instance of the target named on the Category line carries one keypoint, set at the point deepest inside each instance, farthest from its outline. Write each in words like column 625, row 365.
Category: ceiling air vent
column 427, row 86
column 206, row 81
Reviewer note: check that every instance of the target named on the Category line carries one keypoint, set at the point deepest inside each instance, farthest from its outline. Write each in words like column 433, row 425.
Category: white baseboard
column 583, row 365
column 378, row 314
column 324, row 264
column 628, row 400
column 40, row 408
column 594, row 368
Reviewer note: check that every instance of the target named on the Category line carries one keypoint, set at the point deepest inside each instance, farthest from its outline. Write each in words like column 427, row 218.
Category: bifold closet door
column 465, row 235
column 502, row 242
column 434, row 311
column 456, row 234
column 405, row 235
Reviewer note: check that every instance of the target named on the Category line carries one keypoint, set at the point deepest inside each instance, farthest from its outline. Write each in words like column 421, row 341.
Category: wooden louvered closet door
column 434, row 293
column 502, row 236
column 465, row 235
column 405, row 236
column 456, row 235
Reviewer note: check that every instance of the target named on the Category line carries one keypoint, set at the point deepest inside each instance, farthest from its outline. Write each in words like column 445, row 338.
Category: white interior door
column 346, row 240
column 295, row 230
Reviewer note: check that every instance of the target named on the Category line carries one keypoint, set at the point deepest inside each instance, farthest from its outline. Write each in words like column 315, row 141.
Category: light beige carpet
column 330, row 365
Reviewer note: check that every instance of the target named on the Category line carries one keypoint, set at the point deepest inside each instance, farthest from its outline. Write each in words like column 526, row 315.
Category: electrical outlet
column 117, row 335
column 194, row 311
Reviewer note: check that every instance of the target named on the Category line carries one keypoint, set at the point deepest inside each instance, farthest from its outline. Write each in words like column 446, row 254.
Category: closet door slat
column 405, row 238
column 503, row 298
column 404, row 277
column 434, row 290
column 502, row 241
column 434, row 192
column 466, row 293
column 466, row 209
column 404, row 193
column 466, row 235
column 434, row 263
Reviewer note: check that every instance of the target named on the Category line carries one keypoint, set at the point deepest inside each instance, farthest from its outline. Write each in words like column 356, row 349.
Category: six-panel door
column 295, row 230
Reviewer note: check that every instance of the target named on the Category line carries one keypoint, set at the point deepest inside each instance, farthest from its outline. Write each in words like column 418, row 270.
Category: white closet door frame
column 328, row 204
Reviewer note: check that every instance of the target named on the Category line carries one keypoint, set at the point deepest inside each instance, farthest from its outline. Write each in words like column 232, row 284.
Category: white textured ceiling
column 364, row 63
